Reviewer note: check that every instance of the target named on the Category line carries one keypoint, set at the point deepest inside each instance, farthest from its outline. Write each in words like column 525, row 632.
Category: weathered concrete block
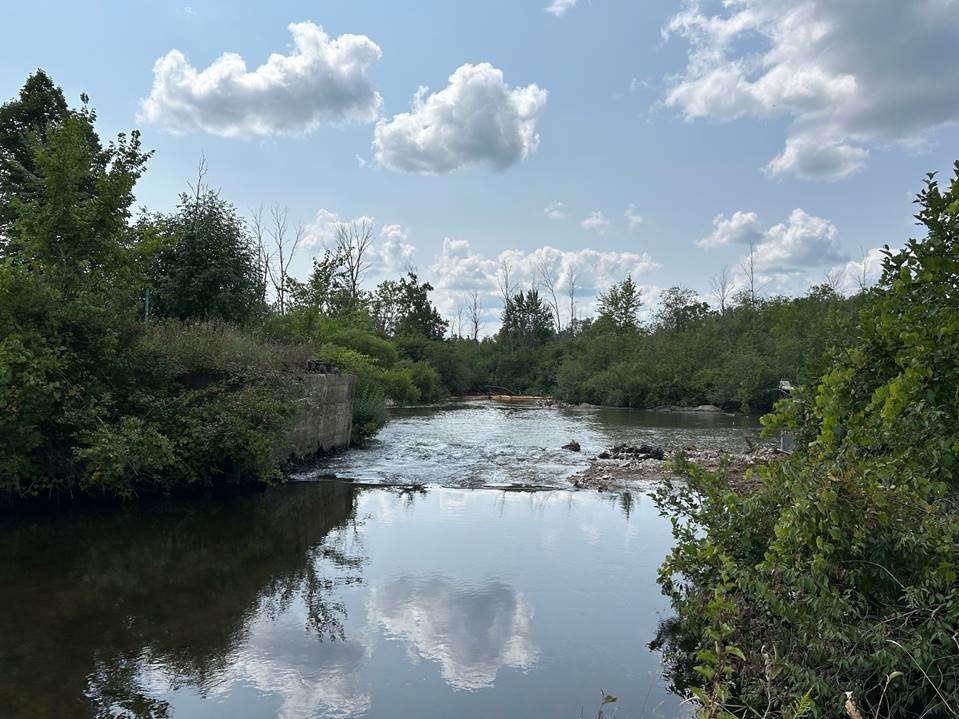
column 326, row 418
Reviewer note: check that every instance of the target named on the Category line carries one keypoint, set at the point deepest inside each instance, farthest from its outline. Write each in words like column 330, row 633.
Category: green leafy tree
column 206, row 264
column 403, row 307
column 620, row 304
column 680, row 308
column 66, row 301
column 527, row 320
column 23, row 127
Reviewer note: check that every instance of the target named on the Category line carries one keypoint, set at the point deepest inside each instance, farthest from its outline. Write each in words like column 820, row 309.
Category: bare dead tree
column 263, row 255
column 833, row 280
column 721, row 285
column 198, row 186
column 459, row 321
column 284, row 248
column 571, row 294
column 353, row 241
column 547, row 280
column 862, row 278
column 749, row 270
column 474, row 311
column 503, row 280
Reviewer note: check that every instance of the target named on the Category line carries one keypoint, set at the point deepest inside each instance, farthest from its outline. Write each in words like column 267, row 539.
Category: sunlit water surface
column 326, row 599
column 500, row 443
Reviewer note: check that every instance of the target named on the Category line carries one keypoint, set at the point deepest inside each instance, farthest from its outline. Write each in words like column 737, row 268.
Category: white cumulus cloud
column 477, row 118
column 633, row 220
column 459, row 270
column 323, row 79
column 803, row 241
column 741, row 228
column 851, row 75
column 596, row 222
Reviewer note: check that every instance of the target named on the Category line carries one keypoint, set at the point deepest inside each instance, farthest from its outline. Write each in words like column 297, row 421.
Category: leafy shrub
column 839, row 574
column 369, row 413
column 425, row 379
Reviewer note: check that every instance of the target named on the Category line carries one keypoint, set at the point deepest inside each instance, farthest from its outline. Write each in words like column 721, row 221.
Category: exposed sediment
column 623, row 464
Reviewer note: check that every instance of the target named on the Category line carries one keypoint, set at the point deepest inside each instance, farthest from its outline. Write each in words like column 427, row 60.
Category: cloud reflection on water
column 470, row 631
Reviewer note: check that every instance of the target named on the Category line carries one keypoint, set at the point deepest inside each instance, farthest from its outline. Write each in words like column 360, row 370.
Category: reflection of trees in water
column 86, row 598
column 675, row 641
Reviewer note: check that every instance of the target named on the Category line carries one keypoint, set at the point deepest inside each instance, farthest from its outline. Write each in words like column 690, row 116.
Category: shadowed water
column 325, row 599
column 502, row 443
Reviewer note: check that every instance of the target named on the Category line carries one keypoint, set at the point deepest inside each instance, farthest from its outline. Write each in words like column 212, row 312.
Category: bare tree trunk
column 571, row 293
column 862, row 279
column 749, row 269
column 263, row 258
column 353, row 243
column 503, row 280
column 474, row 311
column 547, row 279
column 721, row 285
column 833, row 280
column 282, row 255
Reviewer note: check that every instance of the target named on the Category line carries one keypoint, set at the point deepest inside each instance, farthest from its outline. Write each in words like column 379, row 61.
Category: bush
column 839, row 574
column 427, row 380
column 369, row 414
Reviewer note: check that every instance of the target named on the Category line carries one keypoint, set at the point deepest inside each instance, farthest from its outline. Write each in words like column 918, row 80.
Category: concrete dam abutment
column 325, row 420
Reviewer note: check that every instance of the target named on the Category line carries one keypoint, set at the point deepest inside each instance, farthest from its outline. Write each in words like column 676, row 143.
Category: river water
column 331, row 599
column 468, row 444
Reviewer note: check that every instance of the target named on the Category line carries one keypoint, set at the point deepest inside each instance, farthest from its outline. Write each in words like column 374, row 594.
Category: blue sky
column 688, row 112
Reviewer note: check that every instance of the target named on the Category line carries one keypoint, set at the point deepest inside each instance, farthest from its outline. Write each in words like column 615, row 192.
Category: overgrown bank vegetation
column 832, row 589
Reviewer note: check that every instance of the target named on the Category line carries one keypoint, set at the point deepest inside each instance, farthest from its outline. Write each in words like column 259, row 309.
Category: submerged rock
column 572, row 446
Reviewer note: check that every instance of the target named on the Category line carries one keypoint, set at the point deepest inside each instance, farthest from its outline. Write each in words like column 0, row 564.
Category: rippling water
column 328, row 599
column 498, row 443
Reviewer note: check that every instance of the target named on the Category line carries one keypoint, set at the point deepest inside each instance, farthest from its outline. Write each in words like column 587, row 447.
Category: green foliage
column 692, row 356
column 527, row 321
column 369, row 413
column 427, row 381
column 620, row 304
column 203, row 261
column 91, row 401
column 841, row 570
column 403, row 307
column 23, row 125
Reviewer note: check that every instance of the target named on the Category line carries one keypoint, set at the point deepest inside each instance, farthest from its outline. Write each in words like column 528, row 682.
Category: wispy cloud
column 558, row 8
column 596, row 222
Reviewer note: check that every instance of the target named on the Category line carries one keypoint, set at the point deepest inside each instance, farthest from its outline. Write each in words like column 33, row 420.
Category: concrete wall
column 326, row 419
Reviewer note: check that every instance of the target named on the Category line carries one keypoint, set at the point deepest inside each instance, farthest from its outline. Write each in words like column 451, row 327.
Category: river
column 462, row 594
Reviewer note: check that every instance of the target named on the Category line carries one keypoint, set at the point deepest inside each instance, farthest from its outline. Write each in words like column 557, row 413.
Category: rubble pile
column 621, row 464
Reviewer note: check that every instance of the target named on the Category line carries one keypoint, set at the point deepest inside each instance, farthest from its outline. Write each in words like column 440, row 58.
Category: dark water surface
column 323, row 599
